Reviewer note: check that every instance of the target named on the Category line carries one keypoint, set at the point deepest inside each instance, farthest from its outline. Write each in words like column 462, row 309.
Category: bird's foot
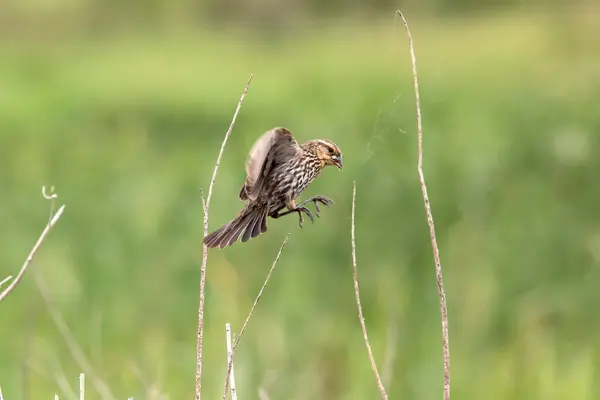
column 316, row 200
column 300, row 210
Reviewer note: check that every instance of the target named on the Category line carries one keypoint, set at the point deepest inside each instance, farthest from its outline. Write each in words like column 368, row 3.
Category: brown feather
column 274, row 147
column 251, row 218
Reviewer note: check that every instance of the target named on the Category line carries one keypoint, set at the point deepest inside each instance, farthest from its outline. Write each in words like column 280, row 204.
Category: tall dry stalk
column 434, row 246
column 206, row 205
column 361, row 317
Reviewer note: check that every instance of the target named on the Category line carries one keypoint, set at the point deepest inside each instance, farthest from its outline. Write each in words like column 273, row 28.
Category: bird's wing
column 273, row 148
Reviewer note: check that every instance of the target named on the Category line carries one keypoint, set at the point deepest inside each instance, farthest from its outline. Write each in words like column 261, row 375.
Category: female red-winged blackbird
column 278, row 169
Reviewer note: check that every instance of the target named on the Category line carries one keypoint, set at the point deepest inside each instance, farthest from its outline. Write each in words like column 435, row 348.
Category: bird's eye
column 330, row 150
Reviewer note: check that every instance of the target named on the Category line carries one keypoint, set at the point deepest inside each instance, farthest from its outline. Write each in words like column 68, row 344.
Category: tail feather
column 249, row 229
column 229, row 233
column 253, row 229
column 236, row 230
column 261, row 224
column 252, row 220
column 213, row 239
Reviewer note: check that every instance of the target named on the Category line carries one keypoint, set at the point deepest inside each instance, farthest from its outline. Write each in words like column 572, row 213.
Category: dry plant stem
column 262, row 289
column 206, row 205
column 32, row 253
column 3, row 281
column 230, row 362
column 382, row 392
column 239, row 337
column 81, row 386
column 436, row 252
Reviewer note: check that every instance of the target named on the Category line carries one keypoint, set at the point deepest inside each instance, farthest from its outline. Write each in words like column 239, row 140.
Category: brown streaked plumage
column 278, row 169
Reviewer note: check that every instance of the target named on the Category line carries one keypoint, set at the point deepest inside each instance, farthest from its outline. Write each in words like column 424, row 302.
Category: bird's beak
column 337, row 161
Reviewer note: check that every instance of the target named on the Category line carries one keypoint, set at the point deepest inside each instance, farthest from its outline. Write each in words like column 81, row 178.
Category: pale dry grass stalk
column 81, row 386
column 361, row 317
column 53, row 220
column 239, row 337
column 260, row 292
column 230, row 361
column 3, row 281
column 206, row 205
column 434, row 246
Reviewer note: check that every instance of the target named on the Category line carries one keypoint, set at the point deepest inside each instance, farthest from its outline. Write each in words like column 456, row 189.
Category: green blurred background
column 122, row 105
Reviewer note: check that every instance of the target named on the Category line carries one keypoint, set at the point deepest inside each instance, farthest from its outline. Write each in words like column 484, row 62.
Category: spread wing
column 274, row 147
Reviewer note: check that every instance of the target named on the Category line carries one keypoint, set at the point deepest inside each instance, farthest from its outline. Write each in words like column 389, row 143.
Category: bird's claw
column 319, row 199
column 301, row 218
column 323, row 200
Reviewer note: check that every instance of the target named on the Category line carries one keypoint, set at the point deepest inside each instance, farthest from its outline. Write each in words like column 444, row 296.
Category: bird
column 278, row 169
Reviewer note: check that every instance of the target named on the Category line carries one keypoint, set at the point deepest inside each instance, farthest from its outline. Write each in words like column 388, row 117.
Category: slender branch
column 434, row 246
column 382, row 392
column 82, row 386
column 230, row 362
column 237, row 341
column 206, row 205
column 32, row 253
column 262, row 289
column 3, row 281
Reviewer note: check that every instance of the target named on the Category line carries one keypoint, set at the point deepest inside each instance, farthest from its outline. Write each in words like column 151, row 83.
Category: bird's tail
column 252, row 220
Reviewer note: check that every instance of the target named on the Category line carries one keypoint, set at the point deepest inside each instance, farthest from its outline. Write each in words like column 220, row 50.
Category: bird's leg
column 316, row 200
column 291, row 208
column 299, row 210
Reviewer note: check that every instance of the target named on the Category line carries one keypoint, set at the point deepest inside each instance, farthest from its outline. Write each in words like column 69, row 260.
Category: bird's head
column 328, row 153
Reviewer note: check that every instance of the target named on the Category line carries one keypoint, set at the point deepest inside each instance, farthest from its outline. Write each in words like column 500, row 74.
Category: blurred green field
column 128, row 127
